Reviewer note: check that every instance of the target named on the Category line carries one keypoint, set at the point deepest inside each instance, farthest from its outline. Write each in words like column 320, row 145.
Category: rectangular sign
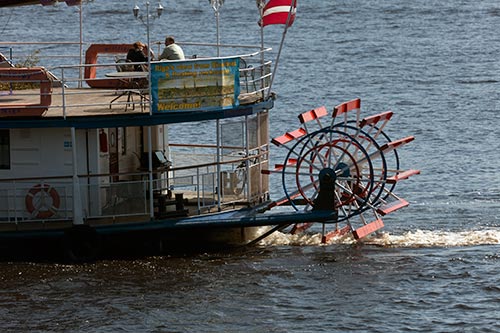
column 201, row 84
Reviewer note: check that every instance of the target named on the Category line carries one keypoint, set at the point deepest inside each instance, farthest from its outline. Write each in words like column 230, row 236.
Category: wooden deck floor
column 81, row 101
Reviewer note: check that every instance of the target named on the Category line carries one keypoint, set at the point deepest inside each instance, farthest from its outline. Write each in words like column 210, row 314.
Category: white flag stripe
column 277, row 9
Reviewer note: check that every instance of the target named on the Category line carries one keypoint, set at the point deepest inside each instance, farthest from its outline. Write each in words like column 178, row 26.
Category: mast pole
column 292, row 6
column 260, row 6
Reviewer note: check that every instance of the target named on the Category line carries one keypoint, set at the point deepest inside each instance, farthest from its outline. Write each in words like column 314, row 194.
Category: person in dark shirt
column 136, row 54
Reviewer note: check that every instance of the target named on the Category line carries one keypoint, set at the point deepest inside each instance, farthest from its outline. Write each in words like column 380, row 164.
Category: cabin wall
column 129, row 149
column 125, row 143
column 159, row 138
column 43, row 152
column 37, row 156
column 92, row 196
column 45, row 156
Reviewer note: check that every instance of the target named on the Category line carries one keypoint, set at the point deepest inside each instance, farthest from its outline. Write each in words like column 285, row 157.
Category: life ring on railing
column 90, row 72
column 33, row 75
column 42, row 201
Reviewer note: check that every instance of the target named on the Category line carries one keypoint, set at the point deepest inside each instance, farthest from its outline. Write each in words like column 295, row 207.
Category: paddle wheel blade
column 393, row 206
column 326, row 238
column 289, row 136
column 313, row 114
column 299, row 228
column 345, row 107
column 349, row 166
column 278, row 168
column 402, row 175
column 375, row 119
column 368, row 229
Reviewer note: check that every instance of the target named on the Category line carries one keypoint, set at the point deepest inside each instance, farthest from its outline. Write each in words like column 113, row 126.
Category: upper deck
column 100, row 93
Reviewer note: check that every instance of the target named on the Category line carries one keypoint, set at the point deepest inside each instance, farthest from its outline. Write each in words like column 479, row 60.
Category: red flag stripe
column 277, row 12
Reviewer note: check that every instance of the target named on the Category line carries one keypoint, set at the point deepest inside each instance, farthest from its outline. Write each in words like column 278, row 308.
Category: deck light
column 216, row 5
column 159, row 9
column 136, row 10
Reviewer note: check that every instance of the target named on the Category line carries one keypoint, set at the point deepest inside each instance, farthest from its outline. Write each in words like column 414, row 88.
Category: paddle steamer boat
column 95, row 158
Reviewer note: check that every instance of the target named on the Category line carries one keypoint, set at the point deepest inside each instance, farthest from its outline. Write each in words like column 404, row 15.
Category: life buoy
column 42, row 201
column 31, row 75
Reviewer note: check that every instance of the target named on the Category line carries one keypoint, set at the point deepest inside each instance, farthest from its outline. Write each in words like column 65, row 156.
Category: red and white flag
column 279, row 12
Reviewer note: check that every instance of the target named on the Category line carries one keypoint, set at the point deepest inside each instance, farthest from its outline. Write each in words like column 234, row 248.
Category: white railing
column 254, row 84
column 127, row 194
column 67, row 57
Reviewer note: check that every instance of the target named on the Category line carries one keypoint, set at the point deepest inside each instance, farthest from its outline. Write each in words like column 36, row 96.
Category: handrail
column 38, row 43
column 217, row 45
column 204, row 165
column 254, row 77
column 193, row 166
column 118, row 191
column 198, row 145
column 110, row 64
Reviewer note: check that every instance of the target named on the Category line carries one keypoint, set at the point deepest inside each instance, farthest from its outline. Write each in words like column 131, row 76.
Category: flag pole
column 292, row 6
column 260, row 6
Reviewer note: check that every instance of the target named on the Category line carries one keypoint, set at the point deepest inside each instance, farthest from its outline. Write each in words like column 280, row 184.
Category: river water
column 435, row 266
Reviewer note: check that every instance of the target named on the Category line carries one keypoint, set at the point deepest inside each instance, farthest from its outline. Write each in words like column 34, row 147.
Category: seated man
column 172, row 51
column 136, row 54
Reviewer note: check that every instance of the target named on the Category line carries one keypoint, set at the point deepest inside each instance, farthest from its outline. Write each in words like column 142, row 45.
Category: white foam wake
column 415, row 238
column 437, row 238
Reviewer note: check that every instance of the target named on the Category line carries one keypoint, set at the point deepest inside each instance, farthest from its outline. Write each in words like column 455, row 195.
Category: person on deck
column 136, row 54
column 172, row 51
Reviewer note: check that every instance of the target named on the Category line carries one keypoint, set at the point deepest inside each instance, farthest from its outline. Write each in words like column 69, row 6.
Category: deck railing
column 254, row 74
column 123, row 195
column 232, row 179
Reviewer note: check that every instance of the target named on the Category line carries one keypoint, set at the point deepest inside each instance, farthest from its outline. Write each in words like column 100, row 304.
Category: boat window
column 4, row 149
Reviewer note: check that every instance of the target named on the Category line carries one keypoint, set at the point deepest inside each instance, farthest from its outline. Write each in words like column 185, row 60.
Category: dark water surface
column 435, row 267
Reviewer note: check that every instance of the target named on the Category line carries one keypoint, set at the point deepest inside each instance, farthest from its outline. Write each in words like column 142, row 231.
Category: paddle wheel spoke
column 350, row 166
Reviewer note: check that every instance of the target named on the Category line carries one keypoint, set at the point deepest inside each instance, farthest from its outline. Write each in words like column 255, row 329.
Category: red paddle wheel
column 343, row 163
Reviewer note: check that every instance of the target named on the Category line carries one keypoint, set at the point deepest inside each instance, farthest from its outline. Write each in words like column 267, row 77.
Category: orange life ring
column 41, row 207
column 33, row 75
column 91, row 56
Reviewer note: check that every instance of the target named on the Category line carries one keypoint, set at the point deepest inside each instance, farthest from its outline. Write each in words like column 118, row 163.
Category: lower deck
column 170, row 209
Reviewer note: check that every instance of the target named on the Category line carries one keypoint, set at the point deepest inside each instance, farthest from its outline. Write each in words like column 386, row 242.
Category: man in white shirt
column 172, row 51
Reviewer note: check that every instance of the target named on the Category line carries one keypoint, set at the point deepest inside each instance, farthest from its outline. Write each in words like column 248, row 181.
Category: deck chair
column 121, row 65
column 132, row 87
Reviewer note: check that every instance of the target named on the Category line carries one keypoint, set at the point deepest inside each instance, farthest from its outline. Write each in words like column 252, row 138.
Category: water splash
column 411, row 239
column 436, row 238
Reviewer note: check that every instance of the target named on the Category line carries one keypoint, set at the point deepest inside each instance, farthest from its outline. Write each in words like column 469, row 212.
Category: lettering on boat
column 178, row 106
column 195, row 85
